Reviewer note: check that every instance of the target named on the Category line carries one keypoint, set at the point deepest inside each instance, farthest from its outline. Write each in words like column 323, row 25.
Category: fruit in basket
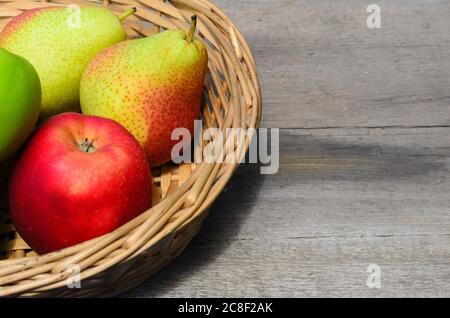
column 20, row 102
column 59, row 42
column 79, row 177
column 151, row 86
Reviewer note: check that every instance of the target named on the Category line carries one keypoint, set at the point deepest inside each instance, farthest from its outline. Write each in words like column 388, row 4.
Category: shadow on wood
column 222, row 226
column 358, row 158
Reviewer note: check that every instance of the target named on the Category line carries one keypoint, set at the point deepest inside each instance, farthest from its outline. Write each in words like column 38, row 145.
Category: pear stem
column 191, row 33
column 127, row 13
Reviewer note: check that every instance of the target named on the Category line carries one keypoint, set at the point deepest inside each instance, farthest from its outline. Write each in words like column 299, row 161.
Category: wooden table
column 365, row 159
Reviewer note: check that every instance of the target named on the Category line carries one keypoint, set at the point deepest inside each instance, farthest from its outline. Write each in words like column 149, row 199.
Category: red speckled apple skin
column 60, row 195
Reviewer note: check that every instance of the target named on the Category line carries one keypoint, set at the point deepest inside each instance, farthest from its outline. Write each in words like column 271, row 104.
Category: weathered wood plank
column 343, row 199
column 326, row 267
column 320, row 66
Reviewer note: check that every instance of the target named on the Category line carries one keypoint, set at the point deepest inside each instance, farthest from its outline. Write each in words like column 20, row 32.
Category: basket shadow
column 311, row 159
column 229, row 211
column 309, row 164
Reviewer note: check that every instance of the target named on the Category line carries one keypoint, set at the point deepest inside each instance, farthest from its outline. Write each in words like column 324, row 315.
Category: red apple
column 79, row 177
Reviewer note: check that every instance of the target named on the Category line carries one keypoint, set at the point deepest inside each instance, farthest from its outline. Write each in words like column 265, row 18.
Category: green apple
column 20, row 102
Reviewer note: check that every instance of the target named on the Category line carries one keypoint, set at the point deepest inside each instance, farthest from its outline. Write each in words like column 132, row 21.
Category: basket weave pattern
column 183, row 193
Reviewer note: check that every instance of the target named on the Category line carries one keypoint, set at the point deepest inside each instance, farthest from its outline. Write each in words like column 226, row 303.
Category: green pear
column 59, row 42
column 20, row 102
column 151, row 86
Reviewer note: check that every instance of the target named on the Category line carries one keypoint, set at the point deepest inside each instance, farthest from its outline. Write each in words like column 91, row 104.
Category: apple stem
column 87, row 145
column 127, row 13
column 191, row 33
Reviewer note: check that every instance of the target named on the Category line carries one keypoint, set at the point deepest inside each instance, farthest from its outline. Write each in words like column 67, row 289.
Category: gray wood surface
column 365, row 159
column 321, row 66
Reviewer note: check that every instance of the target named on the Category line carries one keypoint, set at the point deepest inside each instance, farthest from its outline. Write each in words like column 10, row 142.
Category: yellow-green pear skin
column 60, row 42
column 151, row 86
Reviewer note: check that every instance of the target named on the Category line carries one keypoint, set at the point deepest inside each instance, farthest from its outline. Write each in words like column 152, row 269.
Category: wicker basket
column 125, row 258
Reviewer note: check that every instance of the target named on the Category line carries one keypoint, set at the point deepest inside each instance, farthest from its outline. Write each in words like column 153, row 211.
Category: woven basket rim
column 235, row 102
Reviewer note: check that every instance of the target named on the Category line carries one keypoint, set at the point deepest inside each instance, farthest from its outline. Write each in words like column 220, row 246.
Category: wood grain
column 343, row 199
column 320, row 66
